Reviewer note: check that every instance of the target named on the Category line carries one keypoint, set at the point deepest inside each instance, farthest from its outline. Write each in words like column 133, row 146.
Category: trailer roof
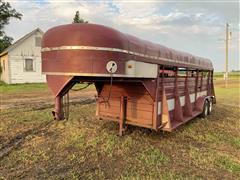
column 98, row 37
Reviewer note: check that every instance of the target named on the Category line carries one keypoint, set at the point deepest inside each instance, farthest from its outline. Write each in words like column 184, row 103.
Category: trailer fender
column 200, row 102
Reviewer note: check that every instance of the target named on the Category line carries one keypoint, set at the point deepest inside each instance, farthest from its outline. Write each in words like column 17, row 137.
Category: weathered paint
column 96, row 45
column 5, row 76
column 141, row 69
column 145, row 89
column 25, row 49
column 182, row 100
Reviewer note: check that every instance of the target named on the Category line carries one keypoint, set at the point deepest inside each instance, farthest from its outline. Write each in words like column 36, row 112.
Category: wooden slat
column 113, row 110
column 139, row 120
column 139, row 114
column 139, row 106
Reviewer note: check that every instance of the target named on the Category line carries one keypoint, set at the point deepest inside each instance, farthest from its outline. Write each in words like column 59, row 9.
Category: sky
column 196, row 27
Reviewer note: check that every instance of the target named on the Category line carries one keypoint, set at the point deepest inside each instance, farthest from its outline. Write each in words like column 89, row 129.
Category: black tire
column 205, row 109
column 210, row 106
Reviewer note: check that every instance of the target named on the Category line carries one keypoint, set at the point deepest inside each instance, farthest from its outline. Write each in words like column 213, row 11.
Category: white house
column 21, row 62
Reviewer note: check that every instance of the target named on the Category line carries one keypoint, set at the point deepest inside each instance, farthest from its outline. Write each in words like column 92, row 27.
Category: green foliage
column 78, row 19
column 5, row 42
column 6, row 12
column 228, row 164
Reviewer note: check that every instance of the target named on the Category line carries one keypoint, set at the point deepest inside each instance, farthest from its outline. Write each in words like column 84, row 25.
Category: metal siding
column 89, row 48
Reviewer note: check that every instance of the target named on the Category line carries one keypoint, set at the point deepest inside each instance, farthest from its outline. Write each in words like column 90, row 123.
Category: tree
column 5, row 42
column 6, row 13
column 78, row 19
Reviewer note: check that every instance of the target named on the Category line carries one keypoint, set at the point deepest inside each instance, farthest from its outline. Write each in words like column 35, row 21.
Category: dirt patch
column 37, row 100
column 20, row 138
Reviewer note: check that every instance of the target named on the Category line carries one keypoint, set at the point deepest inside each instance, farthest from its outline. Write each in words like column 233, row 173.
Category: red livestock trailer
column 138, row 82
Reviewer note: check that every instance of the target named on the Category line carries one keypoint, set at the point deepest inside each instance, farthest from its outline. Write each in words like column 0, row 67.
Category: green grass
column 228, row 95
column 228, row 164
column 87, row 148
column 31, row 87
column 152, row 157
column 231, row 74
column 16, row 88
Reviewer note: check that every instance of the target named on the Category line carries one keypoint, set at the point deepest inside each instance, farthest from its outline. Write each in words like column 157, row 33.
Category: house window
column 38, row 41
column 29, row 64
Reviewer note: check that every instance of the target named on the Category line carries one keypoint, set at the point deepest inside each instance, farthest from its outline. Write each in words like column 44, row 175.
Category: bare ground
column 38, row 99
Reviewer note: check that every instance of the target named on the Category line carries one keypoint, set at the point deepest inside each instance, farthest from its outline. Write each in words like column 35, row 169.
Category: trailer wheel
column 210, row 106
column 205, row 109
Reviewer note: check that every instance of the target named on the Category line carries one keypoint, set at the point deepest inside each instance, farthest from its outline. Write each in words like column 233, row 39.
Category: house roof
column 19, row 41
